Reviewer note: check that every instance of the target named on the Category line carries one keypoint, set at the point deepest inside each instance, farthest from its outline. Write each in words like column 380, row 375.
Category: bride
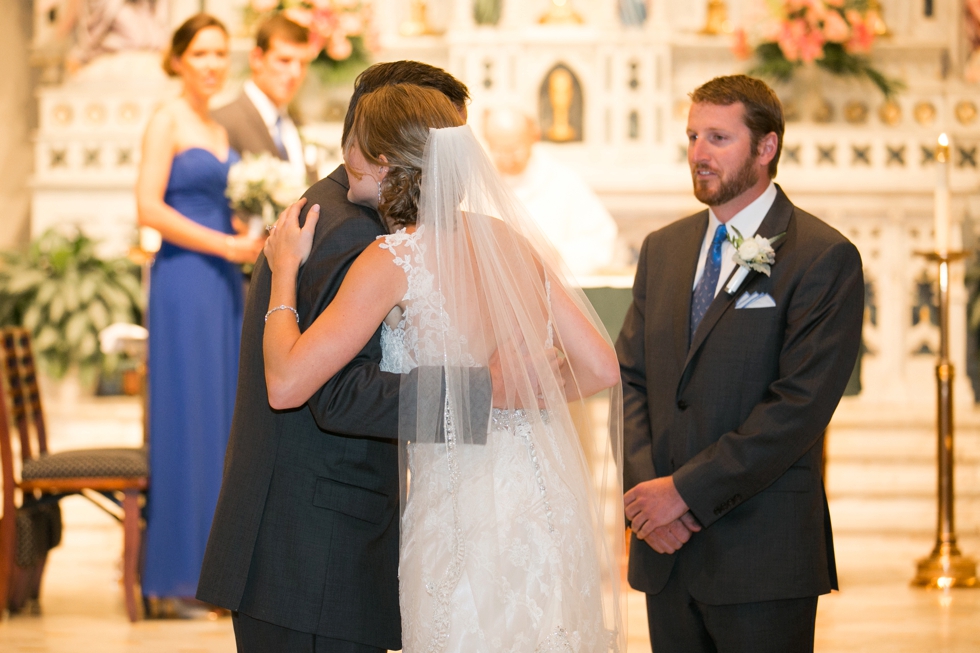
column 510, row 531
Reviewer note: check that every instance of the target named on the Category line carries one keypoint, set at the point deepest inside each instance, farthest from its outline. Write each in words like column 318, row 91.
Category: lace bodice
column 417, row 337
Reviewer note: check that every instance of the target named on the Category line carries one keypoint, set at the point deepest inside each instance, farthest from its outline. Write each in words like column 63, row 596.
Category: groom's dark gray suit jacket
column 737, row 415
column 305, row 534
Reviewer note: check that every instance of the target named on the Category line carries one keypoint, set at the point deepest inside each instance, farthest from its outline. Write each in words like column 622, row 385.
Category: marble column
column 17, row 109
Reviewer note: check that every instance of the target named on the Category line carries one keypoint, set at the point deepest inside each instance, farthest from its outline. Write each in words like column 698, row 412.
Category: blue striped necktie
column 704, row 294
column 277, row 139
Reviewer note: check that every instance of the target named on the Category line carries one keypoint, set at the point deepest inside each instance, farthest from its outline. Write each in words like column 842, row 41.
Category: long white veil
column 483, row 288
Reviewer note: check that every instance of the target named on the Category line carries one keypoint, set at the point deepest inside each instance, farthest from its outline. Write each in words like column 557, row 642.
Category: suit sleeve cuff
column 480, row 399
column 696, row 492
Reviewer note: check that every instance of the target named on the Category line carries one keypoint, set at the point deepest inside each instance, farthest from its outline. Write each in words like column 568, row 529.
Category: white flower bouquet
column 260, row 186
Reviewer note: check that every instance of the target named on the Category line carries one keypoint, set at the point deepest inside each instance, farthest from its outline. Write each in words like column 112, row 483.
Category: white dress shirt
column 747, row 222
column 287, row 128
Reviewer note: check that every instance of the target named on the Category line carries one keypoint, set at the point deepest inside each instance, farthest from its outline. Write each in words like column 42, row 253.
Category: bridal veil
column 517, row 525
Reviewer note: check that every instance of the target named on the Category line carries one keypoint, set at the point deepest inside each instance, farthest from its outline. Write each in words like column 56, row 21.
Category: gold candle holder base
column 945, row 568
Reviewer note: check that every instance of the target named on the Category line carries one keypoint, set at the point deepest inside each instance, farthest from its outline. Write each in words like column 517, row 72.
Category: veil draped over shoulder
column 511, row 531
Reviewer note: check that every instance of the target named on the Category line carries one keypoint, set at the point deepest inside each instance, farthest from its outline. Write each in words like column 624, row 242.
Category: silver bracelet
column 282, row 307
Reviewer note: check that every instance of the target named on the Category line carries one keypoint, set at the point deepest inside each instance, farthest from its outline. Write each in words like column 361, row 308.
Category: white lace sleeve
column 422, row 304
column 404, row 248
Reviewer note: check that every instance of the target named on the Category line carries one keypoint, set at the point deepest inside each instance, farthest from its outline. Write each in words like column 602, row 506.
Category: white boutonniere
column 755, row 253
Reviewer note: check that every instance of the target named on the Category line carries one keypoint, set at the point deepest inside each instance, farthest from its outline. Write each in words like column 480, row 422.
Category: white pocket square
column 755, row 300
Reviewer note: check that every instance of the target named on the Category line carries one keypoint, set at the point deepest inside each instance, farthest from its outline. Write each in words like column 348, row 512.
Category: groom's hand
column 652, row 504
column 670, row 538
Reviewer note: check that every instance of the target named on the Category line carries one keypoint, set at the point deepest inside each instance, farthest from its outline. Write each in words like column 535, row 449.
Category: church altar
column 611, row 95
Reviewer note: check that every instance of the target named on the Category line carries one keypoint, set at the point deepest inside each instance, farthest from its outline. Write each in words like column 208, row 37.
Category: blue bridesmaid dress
column 195, row 322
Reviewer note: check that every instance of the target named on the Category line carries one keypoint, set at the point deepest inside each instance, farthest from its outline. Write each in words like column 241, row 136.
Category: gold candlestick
column 945, row 567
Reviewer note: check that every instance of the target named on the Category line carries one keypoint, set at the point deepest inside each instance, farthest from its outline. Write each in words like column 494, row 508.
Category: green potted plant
column 64, row 294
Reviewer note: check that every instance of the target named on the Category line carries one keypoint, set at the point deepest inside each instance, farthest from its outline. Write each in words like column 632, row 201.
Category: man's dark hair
column 763, row 110
column 404, row 72
column 278, row 26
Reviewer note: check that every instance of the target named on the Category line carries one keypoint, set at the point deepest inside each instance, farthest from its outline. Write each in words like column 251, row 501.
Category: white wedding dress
column 498, row 549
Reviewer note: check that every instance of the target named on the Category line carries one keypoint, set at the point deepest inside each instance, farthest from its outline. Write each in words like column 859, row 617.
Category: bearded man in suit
column 258, row 120
column 728, row 388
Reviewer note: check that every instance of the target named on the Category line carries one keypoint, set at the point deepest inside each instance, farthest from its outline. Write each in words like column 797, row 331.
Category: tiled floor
column 83, row 610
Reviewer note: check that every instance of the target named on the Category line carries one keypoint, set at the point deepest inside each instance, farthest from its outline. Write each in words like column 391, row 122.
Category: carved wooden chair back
column 119, row 474
column 20, row 373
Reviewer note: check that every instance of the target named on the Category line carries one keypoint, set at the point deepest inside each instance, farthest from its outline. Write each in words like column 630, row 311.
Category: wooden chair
column 118, row 474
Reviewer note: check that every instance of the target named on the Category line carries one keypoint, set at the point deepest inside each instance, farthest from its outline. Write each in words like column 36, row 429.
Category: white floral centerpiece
column 260, row 186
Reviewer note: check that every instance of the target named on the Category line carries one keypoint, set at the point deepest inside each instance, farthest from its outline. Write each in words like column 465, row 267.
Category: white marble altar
column 866, row 168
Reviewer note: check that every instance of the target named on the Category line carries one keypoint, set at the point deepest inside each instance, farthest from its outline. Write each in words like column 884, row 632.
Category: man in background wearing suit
column 304, row 544
column 727, row 392
column 258, row 120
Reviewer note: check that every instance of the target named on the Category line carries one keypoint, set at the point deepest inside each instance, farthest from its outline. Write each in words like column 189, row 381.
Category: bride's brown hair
column 394, row 121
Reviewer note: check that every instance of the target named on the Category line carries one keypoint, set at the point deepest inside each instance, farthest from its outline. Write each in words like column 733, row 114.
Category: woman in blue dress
column 195, row 310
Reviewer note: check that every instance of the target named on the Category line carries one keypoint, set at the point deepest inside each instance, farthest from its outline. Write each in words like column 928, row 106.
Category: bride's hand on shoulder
column 289, row 245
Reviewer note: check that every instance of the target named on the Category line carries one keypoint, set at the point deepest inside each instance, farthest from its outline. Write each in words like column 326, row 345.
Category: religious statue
column 561, row 96
column 716, row 20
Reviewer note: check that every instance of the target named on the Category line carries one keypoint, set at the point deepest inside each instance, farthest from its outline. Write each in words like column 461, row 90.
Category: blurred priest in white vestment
column 558, row 199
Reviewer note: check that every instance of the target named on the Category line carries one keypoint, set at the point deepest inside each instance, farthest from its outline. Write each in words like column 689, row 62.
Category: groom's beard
column 728, row 188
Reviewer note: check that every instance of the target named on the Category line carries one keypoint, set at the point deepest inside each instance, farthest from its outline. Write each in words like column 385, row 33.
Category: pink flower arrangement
column 835, row 28
column 862, row 33
column 339, row 29
column 800, row 42
column 971, row 72
column 741, row 47
column 835, row 35
column 805, row 26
